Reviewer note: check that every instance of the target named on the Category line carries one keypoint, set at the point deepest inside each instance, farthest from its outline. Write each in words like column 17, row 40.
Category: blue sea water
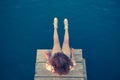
column 27, row 25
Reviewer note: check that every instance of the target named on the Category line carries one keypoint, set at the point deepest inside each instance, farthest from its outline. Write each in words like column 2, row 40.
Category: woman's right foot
column 66, row 23
column 55, row 23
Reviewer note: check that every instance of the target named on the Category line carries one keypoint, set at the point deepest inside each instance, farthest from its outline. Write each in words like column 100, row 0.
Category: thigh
column 66, row 48
column 56, row 48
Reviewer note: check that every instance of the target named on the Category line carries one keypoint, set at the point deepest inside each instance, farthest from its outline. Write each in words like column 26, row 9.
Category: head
column 61, row 63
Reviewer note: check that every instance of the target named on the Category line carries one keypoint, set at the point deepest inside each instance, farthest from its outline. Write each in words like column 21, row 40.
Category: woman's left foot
column 66, row 23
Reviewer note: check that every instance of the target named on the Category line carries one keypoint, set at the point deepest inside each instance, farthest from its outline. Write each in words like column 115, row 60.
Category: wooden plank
column 84, row 68
column 79, row 73
column 39, row 78
column 41, row 71
column 41, row 58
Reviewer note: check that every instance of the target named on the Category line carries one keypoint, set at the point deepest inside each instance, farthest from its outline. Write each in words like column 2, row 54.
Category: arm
column 72, row 53
column 73, row 59
column 47, row 56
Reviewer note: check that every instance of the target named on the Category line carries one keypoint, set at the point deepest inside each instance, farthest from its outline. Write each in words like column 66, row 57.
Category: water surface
column 27, row 25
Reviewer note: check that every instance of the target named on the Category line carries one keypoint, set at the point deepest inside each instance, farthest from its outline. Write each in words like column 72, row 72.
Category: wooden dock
column 79, row 73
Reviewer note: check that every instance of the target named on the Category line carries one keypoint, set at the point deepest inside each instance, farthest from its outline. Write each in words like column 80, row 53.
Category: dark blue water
column 27, row 25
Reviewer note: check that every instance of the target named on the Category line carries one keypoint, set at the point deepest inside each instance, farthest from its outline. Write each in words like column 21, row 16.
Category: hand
column 72, row 51
column 47, row 55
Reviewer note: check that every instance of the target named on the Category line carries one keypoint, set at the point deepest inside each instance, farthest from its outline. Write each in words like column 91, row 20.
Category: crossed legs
column 56, row 43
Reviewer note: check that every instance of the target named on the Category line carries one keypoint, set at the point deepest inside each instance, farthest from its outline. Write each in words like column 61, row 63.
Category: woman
column 62, row 60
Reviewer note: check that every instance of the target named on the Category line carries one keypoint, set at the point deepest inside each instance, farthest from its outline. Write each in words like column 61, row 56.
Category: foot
column 66, row 23
column 55, row 23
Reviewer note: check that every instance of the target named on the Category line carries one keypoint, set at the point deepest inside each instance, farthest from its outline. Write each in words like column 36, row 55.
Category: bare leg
column 65, row 46
column 56, row 44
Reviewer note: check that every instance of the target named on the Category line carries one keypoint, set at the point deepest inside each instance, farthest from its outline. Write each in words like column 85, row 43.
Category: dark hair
column 61, row 63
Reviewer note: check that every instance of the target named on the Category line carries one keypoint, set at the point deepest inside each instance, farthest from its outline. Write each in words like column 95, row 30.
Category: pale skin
column 56, row 43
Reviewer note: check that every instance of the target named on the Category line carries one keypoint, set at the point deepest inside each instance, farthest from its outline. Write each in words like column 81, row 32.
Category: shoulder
column 49, row 67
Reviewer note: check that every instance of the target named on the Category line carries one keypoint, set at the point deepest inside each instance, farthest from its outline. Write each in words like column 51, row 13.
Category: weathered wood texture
column 79, row 73
column 41, row 78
